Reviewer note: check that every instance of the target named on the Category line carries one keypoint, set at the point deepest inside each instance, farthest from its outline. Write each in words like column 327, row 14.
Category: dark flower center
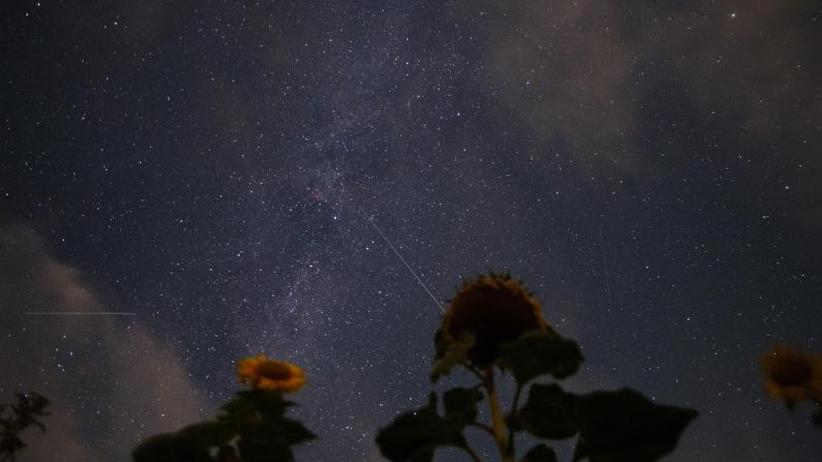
column 791, row 370
column 273, row 371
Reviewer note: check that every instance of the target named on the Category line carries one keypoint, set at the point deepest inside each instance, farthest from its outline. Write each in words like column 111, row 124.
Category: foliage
column 540, row 453
column 415, row 435
column 450, row 356
column 538, row 353
column 16, row 417
column 251, row 427
column 609, row 426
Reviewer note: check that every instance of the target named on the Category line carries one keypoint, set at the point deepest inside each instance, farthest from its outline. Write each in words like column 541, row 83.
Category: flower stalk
column 498, row 425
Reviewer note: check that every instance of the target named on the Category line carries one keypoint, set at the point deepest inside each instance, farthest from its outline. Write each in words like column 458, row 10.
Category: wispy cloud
column 101, row 372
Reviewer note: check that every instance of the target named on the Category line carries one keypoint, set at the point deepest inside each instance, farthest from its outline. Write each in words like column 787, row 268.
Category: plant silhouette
column 251, row 427
column 492, row 325
column 15, row 418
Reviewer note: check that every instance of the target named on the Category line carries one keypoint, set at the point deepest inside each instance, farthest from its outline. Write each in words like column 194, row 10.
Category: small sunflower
column 792, row 375
column 262, row 373
column 496, row 309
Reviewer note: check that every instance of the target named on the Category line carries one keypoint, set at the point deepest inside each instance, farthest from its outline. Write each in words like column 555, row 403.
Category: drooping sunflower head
column 262, row 373
column 495, row 309
column 792, row 375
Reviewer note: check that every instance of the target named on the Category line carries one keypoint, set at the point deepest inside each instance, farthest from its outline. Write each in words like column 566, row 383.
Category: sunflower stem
column 497, row 419
column 514, row 406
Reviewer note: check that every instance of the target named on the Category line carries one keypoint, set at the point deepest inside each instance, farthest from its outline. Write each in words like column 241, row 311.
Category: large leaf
column 540, row 453
column 549, row 413
column 208, row 433
column 249, row 408
column 415, row 435
column 537, row 353
column 461, row 405
column 624, row 426
column 281, row 428
column 264, row 450
column 171, row 447
column 262, row 401
column 264, row 433
column 452, row 354
column 253, row 420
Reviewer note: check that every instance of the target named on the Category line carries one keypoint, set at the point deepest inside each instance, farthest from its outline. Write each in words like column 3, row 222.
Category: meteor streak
column 78, row 313
column 397, row 253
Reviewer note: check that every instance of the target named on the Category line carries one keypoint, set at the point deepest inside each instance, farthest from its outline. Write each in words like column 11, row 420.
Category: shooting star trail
column 397, row 253
column 78, row 313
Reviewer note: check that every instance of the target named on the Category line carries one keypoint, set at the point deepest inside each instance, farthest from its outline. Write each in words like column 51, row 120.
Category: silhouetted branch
column 16, row 417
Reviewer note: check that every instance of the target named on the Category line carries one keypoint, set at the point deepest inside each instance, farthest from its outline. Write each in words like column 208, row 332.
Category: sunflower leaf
column 540, row 453
column 249, row 405
column 171, row 447
column 415, row 435
column 537, row 353
column 287, row 430
column 209, row 433
column 461, row 405
column 264, row 450
column 453, row 355
column 549, row 413
column 623, row 426
column 266, row 401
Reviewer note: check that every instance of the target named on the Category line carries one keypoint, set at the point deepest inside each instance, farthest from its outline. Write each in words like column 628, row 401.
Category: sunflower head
column 495, row 309
column 792, row 375
column 262, row 373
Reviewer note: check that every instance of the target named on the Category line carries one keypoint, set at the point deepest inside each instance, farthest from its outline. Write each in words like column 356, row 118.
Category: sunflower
column 496, row 309
column 792, row 375
column 262, row 373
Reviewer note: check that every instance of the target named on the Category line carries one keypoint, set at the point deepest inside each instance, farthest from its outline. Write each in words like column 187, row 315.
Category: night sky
column 651, row 170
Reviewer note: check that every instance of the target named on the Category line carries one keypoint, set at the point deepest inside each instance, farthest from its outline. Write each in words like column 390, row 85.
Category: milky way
column 651, row 171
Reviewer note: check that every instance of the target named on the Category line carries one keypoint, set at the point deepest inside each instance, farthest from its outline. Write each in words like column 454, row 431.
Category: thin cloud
column 110, row 368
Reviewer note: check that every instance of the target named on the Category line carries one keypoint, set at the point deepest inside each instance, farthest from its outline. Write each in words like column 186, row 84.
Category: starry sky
column 651, row 170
